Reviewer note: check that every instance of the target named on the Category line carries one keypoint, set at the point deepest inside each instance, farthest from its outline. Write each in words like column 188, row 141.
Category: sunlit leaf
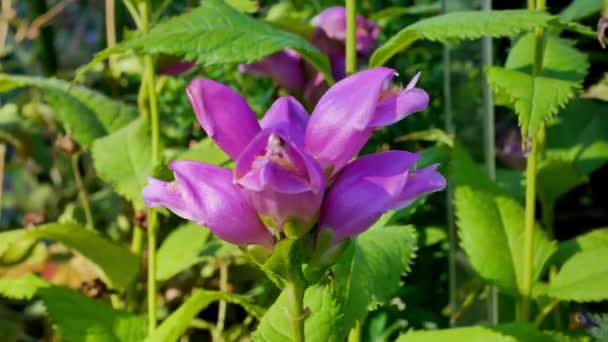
column 485, row 213
column 215, row 33
column 86, row 113
column 459, row 26
column 583, row 278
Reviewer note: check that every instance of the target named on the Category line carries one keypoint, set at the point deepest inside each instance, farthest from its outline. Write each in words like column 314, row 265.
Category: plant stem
column 153, row 106
column 82, row 192
column 449, row 128
column 2, row 156
column 149, row 88
column 295, row 310
column 544, row 312
column 530, row 209
column 489, row 144
column 151, row 293
column 221, row 312
column 351, row 36
column 110, row 30
column 529, row 232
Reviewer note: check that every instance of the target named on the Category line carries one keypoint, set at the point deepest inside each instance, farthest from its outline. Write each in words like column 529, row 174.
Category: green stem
column 153, row 103
column 2, row 156
column 529, row 232
column 544, row 312
column 221, row 312
column 351, row 36
column 151, row 293
column 530, row 209
column 548, row 208
column 149, row 88
column 295, row 310
column 82, row 193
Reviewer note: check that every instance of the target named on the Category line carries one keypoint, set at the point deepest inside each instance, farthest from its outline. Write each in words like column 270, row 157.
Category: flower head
column 289, row 71
column 294, row 172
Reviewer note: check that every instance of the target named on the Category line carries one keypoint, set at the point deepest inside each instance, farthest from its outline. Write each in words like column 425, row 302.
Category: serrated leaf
column 78, row 317
column 491, row 227
column 118, row 265
column 319, row 326
column 369, row 272
column 460, row 26
column 177, row 323
column 215, row 33
column 181, row 250
column 580, row 135
column 560, row 59
column 583, row 278
column 535, row 99
column 596, row 238
column 86, row 113
column 123, row 159
column 22, row 288
column 580, row 9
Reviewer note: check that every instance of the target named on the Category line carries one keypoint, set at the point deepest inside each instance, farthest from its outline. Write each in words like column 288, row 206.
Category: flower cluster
column 289, row 71
column 296, row 172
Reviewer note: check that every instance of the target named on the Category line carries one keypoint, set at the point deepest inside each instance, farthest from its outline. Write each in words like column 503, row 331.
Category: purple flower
column 285, row 163
column 509, row 148
column 346, row 115
column 332, row 21
column 289, row 71
column 284, row 67
column 372, row 185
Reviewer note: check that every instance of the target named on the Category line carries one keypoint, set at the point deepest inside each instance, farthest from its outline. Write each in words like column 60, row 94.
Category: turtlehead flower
column 293, row 172
column 289, row 71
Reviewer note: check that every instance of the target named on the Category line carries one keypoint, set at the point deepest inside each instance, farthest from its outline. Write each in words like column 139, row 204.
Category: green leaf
column 86, row 113
column 369, row 272
column 491, row 227
column 468, row 334
column 78, row 317
column 118, row 265
column 583, row 278
column 535, row 99
column 22, row 288
column 580, row 9
column 460, row 26
column 390, row 13
column 431, row 235
column 123, row 159
column 555, row 177
column 206, row 151
column 560, row 59
column 596, row 238
column 245, row 6
column 319, row 326
column 511, row 332
column 580, row 135
column 177, row 323
column 84, row 319
column 181, row 250
column 215, row 33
